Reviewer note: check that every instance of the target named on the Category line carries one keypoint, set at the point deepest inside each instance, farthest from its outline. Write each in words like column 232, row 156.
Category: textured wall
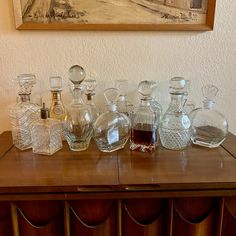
column 202, row 57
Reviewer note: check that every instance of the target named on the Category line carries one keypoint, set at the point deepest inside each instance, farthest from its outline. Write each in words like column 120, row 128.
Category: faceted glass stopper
column 210, row 92
column 55, row 83
column 122, row 85
column 26, row 83
column 76, row 74
column 111, row 95
column 146, row 87
column 91, row 85
column 177, row 85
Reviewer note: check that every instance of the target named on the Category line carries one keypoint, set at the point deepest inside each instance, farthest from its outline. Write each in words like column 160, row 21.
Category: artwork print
column 112, row 12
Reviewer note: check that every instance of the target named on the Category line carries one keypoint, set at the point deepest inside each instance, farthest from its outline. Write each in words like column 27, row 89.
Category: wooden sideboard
column 124, row 193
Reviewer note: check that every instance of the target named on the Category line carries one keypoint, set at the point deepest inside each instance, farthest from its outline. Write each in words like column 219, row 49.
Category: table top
column 124, row 170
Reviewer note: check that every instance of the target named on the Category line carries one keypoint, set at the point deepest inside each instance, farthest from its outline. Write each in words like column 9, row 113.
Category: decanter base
column 78, row 146
column 142, row 148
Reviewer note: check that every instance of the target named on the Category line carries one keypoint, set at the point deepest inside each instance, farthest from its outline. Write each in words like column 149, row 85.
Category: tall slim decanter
column 78, row 124
column 144, row 133
column 24, row 113
column 175, row 125
column 57, row 109
column 112, row 128
column 209, row 126
column 90, row 92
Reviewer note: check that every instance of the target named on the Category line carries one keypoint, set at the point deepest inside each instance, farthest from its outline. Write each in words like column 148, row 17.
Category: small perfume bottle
column 24, row 113
column 90, row 92
column 144, row 133
column 112, row 128
column 209, row 126
column 175, row 124
column 78, row 124
column 57, row 109
column 46, row 134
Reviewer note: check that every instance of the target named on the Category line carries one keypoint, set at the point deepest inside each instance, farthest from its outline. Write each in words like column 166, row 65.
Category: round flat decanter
column 78, row 124
column 209, row 126
column 175, row 124
column 111, row 129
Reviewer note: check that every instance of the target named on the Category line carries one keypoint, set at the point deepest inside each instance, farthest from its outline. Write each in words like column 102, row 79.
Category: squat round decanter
column 111, row 129
column 78, row 124
column 24, row 113
column 209, row 126
column 175, row 124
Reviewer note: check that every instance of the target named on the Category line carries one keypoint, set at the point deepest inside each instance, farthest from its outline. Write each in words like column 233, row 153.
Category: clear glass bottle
column 175, row 125
column 188, row 104
column 112, row 128
column 24, row 113
column 90, row 92
column 78, row 124
column 144, row 133
column 209, row 126
column 57, row 109
column 46, row 134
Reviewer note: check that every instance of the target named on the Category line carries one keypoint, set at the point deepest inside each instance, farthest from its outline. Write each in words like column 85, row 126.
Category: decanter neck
column 176, row 103
column 77, row 96
column 90, row 97
column 208, row 104
column 56, row 95
column 145, row 101
column 24, row 98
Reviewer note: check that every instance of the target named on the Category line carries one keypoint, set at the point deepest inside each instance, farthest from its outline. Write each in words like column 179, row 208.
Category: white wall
column 202, row 57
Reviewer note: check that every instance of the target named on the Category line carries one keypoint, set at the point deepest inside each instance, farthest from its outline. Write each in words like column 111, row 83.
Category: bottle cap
column 44, row 112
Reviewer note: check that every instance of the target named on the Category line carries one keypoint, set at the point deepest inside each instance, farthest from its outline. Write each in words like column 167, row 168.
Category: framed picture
column 115, row 14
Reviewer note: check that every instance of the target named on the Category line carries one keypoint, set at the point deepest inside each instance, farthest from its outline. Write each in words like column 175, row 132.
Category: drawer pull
column 94, row 189
column 142, row 188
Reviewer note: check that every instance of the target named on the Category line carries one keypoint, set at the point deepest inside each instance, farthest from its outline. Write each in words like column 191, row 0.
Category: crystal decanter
column 57, row 109
column 209, row 126
column 175, row 125
column 112, row 128
column 90, row 92
column 24, row 113
column 78, row 124
column 46, row 134
column 144, row 132
column 188, row 104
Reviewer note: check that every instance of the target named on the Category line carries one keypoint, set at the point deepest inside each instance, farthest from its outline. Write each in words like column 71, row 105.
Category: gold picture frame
column 114, row 14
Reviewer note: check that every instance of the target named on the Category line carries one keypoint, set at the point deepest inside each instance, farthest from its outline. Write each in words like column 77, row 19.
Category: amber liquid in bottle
column 144, row 138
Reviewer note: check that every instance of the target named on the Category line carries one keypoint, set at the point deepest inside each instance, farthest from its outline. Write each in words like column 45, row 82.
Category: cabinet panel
column 195, row 217
column 40, row 218
column 229, row 217
column 93, row 217
column 5, row 219
column 142, row 217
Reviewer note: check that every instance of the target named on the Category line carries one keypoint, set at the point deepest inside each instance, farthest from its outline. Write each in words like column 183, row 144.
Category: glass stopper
column 91, row 85
column 177, row 85
column 76, row 74
column 210, row 92
column 111, row 95
column 55, row 83
column 122, row 85
column 146, row 87
column 26, row 83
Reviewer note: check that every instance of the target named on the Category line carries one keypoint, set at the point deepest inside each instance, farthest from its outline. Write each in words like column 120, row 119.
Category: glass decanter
column 144, row 135
column 46, row 134
column 24, row 113
column 209, row 126
column 175, row 125
column 112, row 128
column 90, row 92
column 78, row 124
column 188, row 104
column 57, row 109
